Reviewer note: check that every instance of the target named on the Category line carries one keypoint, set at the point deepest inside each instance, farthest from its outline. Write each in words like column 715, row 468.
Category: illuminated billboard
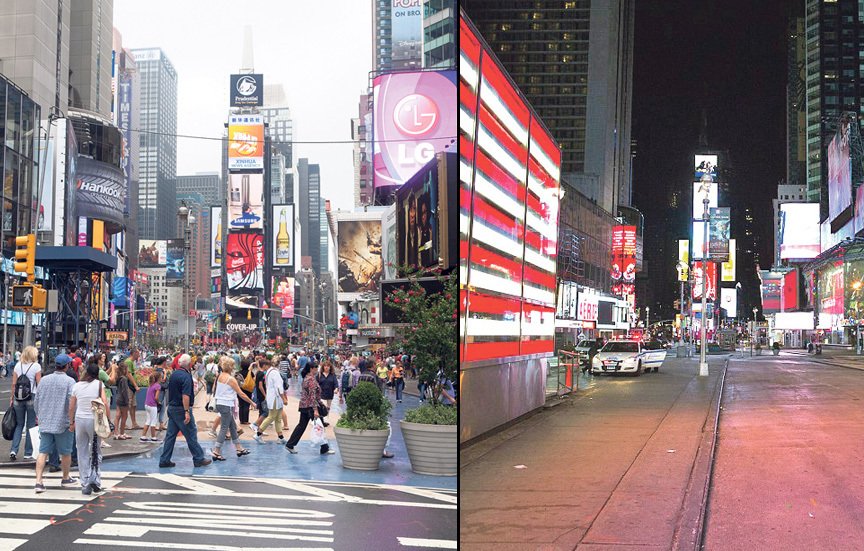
column 283, row 295
column 858, row 225
column 839, row 171
column 706, row 165
column 216, row 253
column 729, row 301
column 772, row 291
column 718, row 234
column 417, row 211
column 283, row 242
column 246, row 142
column 799, row 230
column 727, row 269
column 245, row 201
column 790, row 291
column 247, row 90
column 698, row 241
column 623, row 260
column 413, row 120
column 683, row 259
column 152, row 254
column 699, row 198
column 244, row 261
column 508, row 216
column 830, row 289
column 406, row 34
column 175, row 263
column 358, row 244
column 854, row 291
column 697, row 280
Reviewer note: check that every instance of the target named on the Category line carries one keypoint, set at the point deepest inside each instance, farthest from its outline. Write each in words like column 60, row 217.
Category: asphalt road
column 225, row 513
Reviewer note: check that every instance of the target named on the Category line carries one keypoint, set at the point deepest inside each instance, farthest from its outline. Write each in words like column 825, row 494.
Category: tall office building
column 573, row 60
column 277, row 116
column 833, row 83
column 397, row 26
column 91, row 31
column 310, row 208
column 439, row 34
column 207, row 184
column 361, row 132
column 796, row 104
column 158, row 144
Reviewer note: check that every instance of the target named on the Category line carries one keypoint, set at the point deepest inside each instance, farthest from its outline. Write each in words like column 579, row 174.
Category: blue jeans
column 399, row 384
column 28, row 422
column 176, row 416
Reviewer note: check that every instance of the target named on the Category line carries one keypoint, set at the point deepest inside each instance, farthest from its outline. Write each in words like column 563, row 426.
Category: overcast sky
column 320, row 51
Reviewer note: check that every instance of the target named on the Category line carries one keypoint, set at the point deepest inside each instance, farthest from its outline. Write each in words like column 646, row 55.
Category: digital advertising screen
column 839, row 172
column 283, row 295
column 698, row 242
column 406, row 22
column 727, row 269
column 854, row 291
column 413, row 118
column 246, row 201
column 389, row 245
column 360, row 261
column 699, row 198
column 790, row 291
column 683, row 259
column 799, row 230
column 623, row 271
column 244, row 261
column 772, row 291
column 858, row 224
column 417, row 217
column 245, row 142
column 729, row 301
column 706, row 165
column 283, row 242
column 830, row 289
column 216, row 253
column 152, row 254
column 507, row 290
column 718, row 234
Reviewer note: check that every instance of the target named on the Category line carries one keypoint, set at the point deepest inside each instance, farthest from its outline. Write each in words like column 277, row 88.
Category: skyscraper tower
column 398, row 33
column 310, row 212
column 580, row 85
column 439, row 34
column 158, row 144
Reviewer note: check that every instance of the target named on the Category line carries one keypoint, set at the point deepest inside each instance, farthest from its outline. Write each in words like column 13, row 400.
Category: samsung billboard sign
column 247, row 90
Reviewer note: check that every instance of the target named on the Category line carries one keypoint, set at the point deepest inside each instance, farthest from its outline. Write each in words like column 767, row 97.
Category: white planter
column 432, row 449
column 361, row 449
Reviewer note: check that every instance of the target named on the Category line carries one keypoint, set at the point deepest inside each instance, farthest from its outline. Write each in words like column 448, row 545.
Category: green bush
column 431, row 414
column 367, row 409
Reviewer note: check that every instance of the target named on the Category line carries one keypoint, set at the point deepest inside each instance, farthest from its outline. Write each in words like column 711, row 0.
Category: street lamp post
column 186, row 222
column 703, row 362
column 753, row 331
column 681, row 268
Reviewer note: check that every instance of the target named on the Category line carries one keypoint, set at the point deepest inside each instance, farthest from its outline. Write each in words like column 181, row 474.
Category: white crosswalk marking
column 8, row 544
column 191, row 546
column 435, row 544
column 191, row 484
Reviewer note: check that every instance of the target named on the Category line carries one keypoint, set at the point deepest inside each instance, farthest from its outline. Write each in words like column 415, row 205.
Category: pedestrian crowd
column 71, row 403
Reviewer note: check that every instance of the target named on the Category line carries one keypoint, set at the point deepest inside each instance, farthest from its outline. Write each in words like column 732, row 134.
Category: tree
column 430, row 331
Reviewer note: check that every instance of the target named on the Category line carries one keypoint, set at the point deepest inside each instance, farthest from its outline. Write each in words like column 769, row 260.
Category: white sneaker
column 254, row 427
column 258, row 439
column 29, row 457
column 212, row 433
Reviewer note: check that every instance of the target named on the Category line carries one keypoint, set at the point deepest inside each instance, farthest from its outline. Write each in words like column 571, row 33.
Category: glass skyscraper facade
column 439, row 34
column 311, row 212
column 158, row 144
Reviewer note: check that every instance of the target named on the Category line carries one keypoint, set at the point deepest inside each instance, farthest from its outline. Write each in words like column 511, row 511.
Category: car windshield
column 621, row 347
column 584, row 344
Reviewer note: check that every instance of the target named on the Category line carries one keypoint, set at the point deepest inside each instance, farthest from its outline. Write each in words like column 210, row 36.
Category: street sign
column 116, row 335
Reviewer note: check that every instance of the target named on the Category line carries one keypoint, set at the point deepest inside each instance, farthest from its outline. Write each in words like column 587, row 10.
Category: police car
column 628, row 356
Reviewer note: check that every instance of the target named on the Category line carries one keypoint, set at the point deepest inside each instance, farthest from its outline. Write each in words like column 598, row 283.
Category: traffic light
column 152, row 317
column 248, row 314
column 28, row 297
column 25, row 255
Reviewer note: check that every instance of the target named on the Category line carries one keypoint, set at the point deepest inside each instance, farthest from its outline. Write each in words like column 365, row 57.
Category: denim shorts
column 262, row 407
column 63, row 441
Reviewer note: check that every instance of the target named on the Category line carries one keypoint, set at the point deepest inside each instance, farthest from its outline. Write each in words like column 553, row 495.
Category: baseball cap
column 62, row 359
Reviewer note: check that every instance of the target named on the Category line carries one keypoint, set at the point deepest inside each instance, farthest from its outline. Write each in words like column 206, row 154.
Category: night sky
column 728, row 57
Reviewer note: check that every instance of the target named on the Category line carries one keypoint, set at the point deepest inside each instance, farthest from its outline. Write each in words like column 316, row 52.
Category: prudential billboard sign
column 247, row 90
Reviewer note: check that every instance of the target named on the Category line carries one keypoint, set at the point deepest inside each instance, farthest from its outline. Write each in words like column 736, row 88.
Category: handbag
column 322, row 409
column 100, row 419
column 9, row 422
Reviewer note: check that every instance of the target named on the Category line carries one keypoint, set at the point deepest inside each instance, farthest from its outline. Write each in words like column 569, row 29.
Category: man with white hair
column 181, row 396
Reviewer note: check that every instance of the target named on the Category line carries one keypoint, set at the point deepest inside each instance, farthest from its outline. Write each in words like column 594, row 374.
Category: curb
column 31, row 463
column 690, row 528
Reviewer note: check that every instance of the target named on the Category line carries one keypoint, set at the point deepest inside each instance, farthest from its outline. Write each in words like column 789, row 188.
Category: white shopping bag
column 35, row 439
column 318, row 436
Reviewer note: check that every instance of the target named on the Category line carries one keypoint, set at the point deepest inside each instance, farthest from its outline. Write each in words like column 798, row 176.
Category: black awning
column 75, row 258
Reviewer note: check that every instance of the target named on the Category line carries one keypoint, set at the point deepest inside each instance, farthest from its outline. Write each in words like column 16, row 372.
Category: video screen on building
column 839, row 171
column 699, row 198
column 706, row 165
column 799, row 230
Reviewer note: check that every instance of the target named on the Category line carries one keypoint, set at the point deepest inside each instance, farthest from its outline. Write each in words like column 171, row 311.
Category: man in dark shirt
column 180, row 399
column 260, row 395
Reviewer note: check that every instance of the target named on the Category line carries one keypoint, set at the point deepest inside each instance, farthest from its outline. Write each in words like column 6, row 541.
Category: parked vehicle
column 629, row 356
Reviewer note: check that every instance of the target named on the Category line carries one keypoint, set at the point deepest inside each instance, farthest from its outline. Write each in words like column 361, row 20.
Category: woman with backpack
column 25, row 378
column 86, row 390
column 123, row 392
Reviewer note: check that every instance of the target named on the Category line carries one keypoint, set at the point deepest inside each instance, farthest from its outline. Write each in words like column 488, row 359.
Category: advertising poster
column 247, row 90
column 684, row 259
column 407, row 34
column 360, row 262
column 859, row 208
column 45, row 221
column 623, row 260
column 216, row 253
column 727, row 269
column 699, row 244
column 413, row 119
column 706, row 165
column 152, row 254
column 799, row 230
column 246, row 142
column 283, row 295
column 830, row 292
column 699, row 198
column 389, row 246
column 283, row 244
column 855, row 290
column 697, row 280
column 790, row 291
column 718, row 234
column 124, row 123
column 729, row 302
column 839, row 172
column 175, row 266
column 417, row 214
column 772, row 291
column 244, row 261
column 100, row 192
column 246, row 201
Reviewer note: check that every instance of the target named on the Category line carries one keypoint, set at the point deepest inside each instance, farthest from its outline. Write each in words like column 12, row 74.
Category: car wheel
column 656, row 370
column 638, row 369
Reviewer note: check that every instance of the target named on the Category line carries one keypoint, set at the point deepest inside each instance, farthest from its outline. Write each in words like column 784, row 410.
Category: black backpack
column 23, row 389
column 346, row 379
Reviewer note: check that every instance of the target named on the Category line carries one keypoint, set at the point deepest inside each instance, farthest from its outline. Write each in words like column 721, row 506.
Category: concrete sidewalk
column 625, row 464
